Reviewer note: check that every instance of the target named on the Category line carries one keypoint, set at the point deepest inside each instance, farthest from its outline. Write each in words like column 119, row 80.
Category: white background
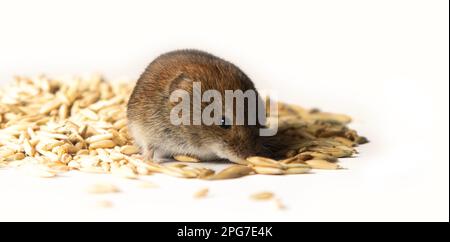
column 383, row 62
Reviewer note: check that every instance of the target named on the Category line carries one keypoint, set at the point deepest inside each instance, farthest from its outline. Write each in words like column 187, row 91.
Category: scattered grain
column 202, row 193
column 102, row 188
column 185, row 158
column 262, row 196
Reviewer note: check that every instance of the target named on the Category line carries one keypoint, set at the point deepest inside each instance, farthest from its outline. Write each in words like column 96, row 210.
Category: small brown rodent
column 149, row 109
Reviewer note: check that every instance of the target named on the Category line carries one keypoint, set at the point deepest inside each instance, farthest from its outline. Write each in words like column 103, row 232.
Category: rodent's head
column 233, row 133
column 236, row 142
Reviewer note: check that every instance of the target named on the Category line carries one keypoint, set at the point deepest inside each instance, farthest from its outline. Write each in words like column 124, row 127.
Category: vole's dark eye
column 224, row 123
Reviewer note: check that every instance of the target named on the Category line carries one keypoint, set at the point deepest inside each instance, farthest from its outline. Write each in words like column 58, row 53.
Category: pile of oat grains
column 49, row 126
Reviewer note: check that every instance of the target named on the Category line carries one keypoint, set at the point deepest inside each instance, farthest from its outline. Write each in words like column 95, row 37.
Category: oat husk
column 102, row 188
column 202, row 193
column 261, row 196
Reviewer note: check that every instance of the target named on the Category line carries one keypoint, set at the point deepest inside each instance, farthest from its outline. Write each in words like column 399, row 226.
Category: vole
column 149, row 109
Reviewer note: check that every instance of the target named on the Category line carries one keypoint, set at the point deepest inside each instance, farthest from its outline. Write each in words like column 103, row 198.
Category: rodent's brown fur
column 149, row 109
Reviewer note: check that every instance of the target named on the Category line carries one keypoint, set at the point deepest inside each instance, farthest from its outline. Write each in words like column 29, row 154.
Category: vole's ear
column 180, row 81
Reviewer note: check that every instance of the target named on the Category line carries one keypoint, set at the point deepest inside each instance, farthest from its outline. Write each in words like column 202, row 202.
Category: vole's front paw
column 160, row 156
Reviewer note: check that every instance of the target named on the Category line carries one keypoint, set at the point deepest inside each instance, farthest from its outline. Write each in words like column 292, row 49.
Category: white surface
column 383, row 62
